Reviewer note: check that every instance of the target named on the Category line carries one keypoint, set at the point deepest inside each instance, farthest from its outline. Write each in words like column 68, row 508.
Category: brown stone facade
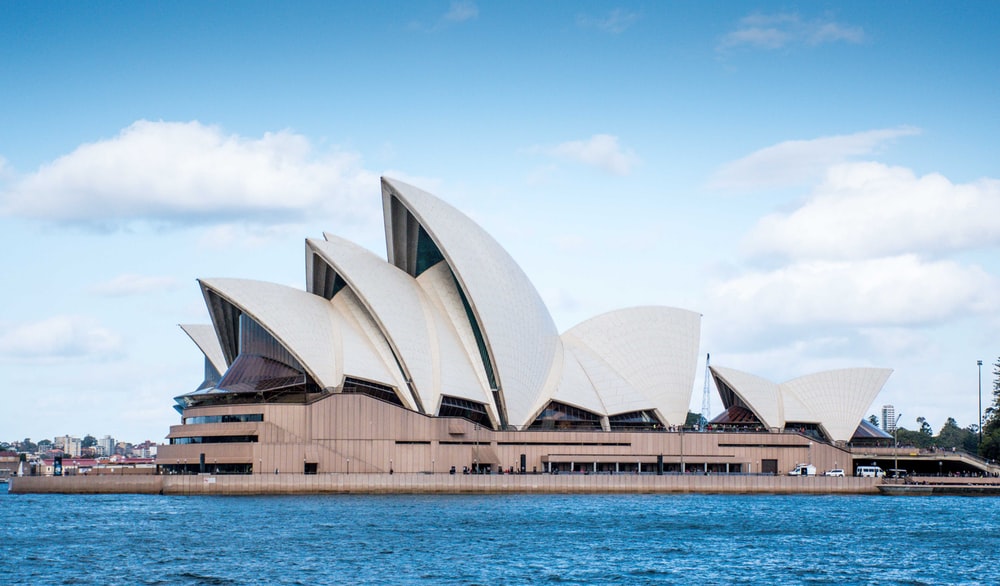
column 356, row 434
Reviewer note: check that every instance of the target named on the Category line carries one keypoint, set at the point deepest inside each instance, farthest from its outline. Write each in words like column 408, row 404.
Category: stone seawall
column 442, row 484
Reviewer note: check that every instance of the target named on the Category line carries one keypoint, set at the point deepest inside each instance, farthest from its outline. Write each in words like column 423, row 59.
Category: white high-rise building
column 106, row 446
column 888, row 418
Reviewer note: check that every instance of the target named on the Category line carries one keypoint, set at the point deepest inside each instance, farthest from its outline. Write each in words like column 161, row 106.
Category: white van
column 869, row 471
column 803, row 470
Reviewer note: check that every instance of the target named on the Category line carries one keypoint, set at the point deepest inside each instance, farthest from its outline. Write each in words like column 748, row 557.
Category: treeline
column 950, row 436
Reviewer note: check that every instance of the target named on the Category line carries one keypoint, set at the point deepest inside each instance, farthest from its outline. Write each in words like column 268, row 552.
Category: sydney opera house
column 443, row 357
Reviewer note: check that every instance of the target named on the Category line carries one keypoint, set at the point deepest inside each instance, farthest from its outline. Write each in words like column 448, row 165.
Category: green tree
column 990, row 446
column 89, row 441
column 873, row 420
column 951, row 435
column 971, row 444
column 925, row 428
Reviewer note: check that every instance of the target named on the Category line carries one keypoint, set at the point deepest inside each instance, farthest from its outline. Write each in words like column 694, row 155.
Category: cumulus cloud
column 867, row 210
column 187, row 172
column 601, row 151
column 131, row 284
column 63, row 336
column 616, row 22
column 775, row 31
column 894, row 291
column 797, row 162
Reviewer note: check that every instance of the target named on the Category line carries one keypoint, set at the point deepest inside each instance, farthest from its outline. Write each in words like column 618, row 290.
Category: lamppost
column 895, row 450
column 348, row 466
column 980, row 364
column 475, row 458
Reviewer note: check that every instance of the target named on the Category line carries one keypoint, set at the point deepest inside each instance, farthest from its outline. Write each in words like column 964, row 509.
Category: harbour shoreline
column 207, row 484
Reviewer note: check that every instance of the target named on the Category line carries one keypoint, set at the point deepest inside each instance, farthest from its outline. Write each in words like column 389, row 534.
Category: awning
column 631, row 458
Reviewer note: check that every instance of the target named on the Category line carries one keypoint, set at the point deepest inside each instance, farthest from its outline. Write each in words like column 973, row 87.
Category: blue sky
column 818, row 179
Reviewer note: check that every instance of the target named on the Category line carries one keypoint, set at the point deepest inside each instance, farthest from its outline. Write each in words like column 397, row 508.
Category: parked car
column 834, row 472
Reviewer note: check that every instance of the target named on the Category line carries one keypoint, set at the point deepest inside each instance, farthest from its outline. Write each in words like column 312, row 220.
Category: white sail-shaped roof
column 310, row 328
column 576, row 386
column 758, row 394
column 393, row 301
column 449, row 313
column 361, row 349
column 612, row 392
column 653, row 349
column 420, row 336
column 303, row 323
column 518, row 333
column 836, row 400
column 203, row 335
column 459, row 370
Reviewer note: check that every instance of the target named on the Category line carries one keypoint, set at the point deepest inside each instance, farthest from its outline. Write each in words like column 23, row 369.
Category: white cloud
column 131, row 284
column 895, row 291
column 775, row 31
column 64, row 336
column 601, row 151
column 616, row 22
column 867, row 210
column 174, row 173
column 796, row 162
column 461, row 11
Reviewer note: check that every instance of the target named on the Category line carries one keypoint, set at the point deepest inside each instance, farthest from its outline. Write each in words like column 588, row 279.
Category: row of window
column 214, row 439
column 238, row 418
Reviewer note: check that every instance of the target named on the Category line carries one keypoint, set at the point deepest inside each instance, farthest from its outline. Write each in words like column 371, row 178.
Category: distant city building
column 71, row 446
column 106, row 446
column 889, row 418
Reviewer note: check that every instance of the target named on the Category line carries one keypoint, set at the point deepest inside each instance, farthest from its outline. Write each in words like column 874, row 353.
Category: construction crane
column 706, row 400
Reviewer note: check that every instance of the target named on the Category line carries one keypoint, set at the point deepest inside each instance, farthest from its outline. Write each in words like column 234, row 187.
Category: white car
column 834, row 472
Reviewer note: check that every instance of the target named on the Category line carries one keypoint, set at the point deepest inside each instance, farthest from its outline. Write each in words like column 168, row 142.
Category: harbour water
column 498, row 539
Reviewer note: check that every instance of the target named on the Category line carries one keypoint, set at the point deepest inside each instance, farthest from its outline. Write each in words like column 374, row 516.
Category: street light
column 475, row 458
column 980, row 364
column 895, row 450
column 348, row 466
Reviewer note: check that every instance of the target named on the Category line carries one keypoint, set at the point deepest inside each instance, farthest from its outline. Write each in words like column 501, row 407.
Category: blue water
column 557, row 539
